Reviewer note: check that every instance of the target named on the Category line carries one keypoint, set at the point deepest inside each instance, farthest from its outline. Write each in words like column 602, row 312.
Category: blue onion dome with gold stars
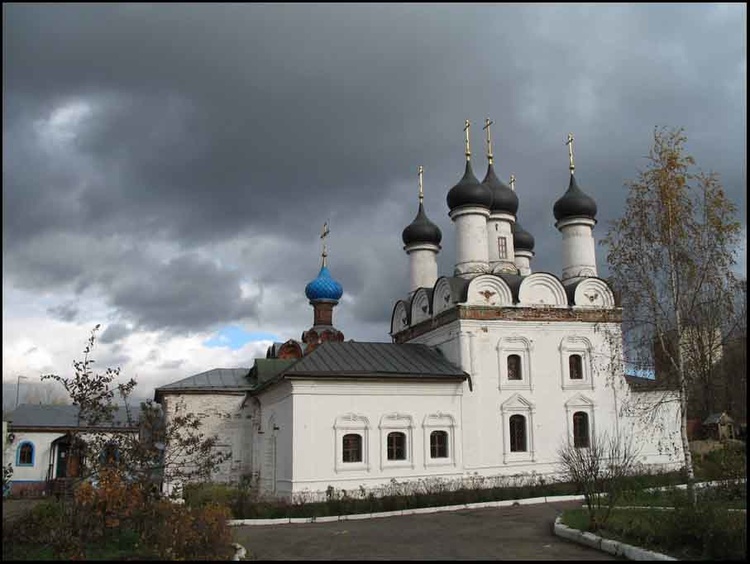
column 503, row 198
column 574, row 203
column 522, row 239
column 324, row 287
column 421, row 230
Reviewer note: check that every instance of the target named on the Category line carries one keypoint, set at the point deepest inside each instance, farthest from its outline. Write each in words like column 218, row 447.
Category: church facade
column 490, row 370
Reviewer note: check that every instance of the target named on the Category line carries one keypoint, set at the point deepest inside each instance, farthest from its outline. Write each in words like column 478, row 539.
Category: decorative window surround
column 522, row 347
column 580, row 346
column 517, row 405
column 399, row 422
column 440, row 422
column 344, row 425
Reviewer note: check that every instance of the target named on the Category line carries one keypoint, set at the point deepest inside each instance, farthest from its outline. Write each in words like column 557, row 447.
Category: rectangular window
column 438, row 444
column 575, row 363
column 396, row 446
column 352, row 448
column 502, row 248
column 514, row 367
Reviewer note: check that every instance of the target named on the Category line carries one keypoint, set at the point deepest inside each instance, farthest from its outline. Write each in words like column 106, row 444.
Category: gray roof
column 216, row 379
column 375, row 359
column 716, row 418
column 56, row 416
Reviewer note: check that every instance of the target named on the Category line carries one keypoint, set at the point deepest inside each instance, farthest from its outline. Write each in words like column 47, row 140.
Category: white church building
column 490, row 370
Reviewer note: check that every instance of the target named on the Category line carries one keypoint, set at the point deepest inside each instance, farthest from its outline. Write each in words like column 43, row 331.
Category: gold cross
column 487, row 124
column 323, row 236
column 467, row 125
column 420, row 170
column 569, row 143
column 513, row 182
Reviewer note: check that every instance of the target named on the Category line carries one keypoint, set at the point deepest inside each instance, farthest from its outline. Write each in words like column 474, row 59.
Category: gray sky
column 167, row 168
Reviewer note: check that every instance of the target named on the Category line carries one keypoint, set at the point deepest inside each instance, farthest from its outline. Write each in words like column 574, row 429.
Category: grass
column 709, row 531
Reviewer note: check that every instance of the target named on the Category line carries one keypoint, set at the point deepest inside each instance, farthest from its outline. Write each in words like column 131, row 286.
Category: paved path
column 508, row 533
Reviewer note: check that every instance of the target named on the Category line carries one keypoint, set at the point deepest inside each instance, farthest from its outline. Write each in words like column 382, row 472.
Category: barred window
column 580, row 430
column 396, row 446
column 502, row 247
column 439, row 444
column 517, row 433
column 352, row 448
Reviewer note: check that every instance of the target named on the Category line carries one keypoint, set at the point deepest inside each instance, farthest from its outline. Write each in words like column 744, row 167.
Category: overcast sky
column 167, row 168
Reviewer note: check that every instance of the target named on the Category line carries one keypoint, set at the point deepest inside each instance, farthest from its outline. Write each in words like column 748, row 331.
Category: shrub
column 200, row 495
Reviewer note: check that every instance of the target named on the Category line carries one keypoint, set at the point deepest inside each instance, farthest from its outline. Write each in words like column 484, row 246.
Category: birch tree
column 670, row 257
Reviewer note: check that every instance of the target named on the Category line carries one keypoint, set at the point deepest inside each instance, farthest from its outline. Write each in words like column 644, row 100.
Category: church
column 491, row 369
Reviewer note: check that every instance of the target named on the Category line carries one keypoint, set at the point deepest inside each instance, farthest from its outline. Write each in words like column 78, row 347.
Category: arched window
column 580, row 430
column 517, row 433
column 110, row 454
column 575, row 363
column 439, row 444
column 25, row 454
column 352, row 448
column 396, row 446
column 514, row 367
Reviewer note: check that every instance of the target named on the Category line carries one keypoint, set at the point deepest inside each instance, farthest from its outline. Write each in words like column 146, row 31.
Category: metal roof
column 36, row 415
column 375, row 359
column 716, row 418
column 216, row 379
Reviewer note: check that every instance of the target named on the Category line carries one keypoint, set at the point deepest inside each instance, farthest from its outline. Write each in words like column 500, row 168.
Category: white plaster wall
column 471, row 240
column 42, row 455
column 221, row 415
column 275, row 451
column 523, row 262
column 422, row 266
column 547, row 390
column 318, row 405
column 499, row 225
column 578, row 248
column 653, row 418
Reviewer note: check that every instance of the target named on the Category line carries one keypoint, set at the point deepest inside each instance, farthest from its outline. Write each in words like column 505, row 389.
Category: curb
column 613, row 547
column 400, row 512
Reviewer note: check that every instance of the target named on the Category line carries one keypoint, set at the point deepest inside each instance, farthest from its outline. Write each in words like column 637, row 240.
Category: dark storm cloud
column 193, row 125
column 64, row 312
column 114, row 332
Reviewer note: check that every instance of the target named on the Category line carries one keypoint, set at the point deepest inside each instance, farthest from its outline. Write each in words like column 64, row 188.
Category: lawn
column 665, row 522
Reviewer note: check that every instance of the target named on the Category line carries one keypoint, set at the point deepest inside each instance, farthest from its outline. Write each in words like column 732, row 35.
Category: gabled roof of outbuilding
column 61, row 417
column 215, row 379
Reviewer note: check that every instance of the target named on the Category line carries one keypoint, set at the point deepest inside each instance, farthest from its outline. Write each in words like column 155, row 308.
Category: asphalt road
column 510, row 533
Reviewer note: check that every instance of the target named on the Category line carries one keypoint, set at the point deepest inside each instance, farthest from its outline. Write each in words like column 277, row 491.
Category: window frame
column 576, row 435
column 351, row 424
column 515, row 375
column 19, row 450
column 576, row 345
column 521, row 347
column 397, row 423
column 516, row 427
column 575, row 370
column 398, row 446
column 441, row 422
column 517, row 405
column 347, row 449
column 439, row 445
column 502, row 247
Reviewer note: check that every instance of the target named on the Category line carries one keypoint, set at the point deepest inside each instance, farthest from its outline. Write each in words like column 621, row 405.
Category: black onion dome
column 574, row 203
column 421, row 230
column 469, row 192
column 503, row 198
column 522, row 239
